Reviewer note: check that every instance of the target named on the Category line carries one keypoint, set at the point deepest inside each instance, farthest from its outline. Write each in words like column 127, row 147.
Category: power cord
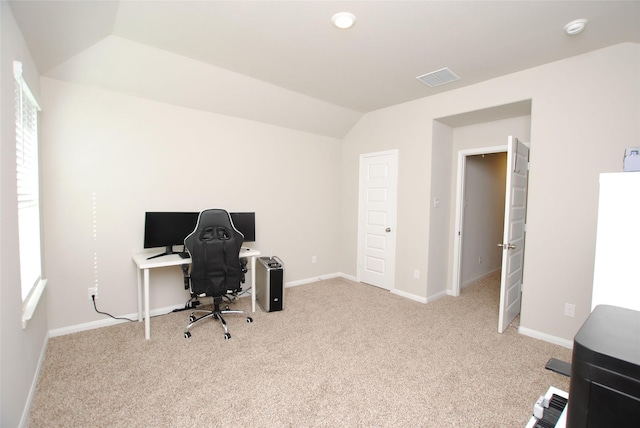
column 93, row 299
column 243, row 292
column 191, row 304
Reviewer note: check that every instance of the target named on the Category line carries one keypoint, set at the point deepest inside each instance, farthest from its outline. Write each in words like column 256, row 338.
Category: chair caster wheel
column 187, row 334
column 227, row 336
column 192, row 318
column 249, row 320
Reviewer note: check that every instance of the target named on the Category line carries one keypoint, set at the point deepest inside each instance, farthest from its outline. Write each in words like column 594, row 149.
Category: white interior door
column 377, row 218
column 514, row 232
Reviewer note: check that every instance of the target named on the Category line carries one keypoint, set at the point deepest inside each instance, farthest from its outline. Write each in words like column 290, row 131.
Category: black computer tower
column 269, row 285
column 604, row 389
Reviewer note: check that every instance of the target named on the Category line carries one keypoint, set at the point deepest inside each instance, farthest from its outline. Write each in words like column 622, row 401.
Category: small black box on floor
column 269, row 286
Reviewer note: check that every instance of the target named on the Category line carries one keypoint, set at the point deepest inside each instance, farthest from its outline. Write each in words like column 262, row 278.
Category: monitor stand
column 168, row 251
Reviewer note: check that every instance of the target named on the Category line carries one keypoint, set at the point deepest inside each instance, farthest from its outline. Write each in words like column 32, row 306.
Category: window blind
column 26, row 109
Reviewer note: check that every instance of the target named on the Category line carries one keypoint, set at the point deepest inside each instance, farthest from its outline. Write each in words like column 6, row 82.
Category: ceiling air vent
column 438, row 77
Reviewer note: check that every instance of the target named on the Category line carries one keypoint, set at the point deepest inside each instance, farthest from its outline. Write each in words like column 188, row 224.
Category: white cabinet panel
column 616, row 276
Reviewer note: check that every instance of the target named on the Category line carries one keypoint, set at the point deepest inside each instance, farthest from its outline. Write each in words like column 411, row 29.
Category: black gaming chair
column 216, row 268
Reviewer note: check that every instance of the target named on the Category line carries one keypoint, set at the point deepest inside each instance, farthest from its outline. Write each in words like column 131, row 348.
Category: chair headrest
column 214, row 216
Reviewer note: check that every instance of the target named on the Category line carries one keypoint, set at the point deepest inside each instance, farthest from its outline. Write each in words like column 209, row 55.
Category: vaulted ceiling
column 293, row 44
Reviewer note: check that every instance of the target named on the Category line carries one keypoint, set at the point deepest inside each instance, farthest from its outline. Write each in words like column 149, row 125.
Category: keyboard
column 550, row 410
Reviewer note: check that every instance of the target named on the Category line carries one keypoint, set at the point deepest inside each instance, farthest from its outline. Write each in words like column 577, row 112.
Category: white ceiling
column 292, row 44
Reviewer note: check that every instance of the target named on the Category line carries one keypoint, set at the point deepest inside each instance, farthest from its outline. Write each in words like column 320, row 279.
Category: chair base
column 216, row 313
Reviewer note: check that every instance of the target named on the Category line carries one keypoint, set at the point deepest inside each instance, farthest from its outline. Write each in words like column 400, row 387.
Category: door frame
column 460, row 189
column 361, row 226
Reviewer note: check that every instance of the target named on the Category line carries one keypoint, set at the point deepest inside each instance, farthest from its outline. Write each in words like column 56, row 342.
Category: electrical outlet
column 314, row 259
column 570, row 310
column 416, row 274
column 480, row 260
column 92, row 291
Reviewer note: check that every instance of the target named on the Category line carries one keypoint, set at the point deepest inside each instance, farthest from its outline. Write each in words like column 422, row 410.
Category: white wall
column 439, row 202
column 21, row 350
column 134, row 155
column 581, row 121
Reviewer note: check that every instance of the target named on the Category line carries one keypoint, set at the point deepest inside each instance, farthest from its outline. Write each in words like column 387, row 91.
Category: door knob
column 507, row 246
column 388, row 229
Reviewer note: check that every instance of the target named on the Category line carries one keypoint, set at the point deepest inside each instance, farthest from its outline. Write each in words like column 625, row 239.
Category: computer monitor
column 245, row 223
column 166, row 229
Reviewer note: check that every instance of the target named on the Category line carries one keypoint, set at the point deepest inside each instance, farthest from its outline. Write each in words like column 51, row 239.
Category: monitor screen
column 166, row 229
column 245, row 223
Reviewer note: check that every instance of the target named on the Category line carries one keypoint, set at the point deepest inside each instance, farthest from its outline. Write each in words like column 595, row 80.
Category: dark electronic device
column 166, row 229
column 604, row 388
column 558, row 366
column 269, row 286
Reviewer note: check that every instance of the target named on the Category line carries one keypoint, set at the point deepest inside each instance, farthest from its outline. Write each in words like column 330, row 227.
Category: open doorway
column 479, row 214
column 483, row 216
column 483, row 187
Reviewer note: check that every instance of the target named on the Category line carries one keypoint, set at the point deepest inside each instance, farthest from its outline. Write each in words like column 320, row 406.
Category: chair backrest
column 214, row 246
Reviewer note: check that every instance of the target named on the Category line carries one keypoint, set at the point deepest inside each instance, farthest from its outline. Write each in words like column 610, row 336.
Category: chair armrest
column 187, row 277
column 243, row 268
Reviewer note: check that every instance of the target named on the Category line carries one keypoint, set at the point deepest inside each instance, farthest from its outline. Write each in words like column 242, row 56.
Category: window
column 28, row 193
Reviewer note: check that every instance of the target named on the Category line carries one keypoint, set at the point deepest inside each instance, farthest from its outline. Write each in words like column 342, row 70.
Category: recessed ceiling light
column 575, row 27
column 343, row 20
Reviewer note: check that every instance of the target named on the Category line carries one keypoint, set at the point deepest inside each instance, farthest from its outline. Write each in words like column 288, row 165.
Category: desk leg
column 253, row 283
column 139, row 295
column 147, row 321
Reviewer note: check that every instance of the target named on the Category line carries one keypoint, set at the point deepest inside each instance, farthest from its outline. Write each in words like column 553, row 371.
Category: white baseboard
column 83, row 327
column 437, row 296
column 409, row 296
column 108, row 322
column 321, row 278
column 24, row 419
column 546, row 337
column 354, row 279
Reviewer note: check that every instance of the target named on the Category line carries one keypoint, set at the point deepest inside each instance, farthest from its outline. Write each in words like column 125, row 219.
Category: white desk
column 144, row 265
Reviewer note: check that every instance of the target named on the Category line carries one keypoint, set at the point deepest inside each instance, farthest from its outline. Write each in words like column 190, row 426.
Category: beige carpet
column 340, row 354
